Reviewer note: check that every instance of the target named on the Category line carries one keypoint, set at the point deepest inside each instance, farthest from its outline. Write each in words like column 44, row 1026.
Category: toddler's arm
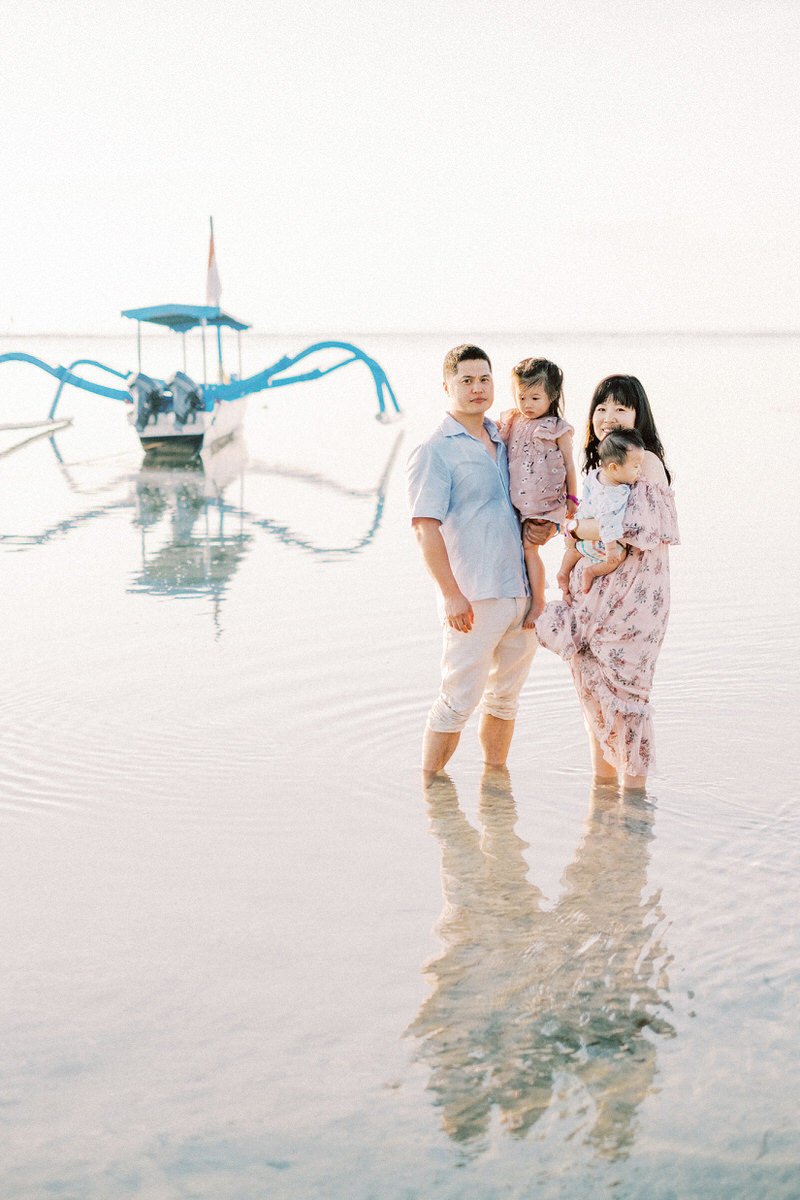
column 564, row 444
column 504, row 423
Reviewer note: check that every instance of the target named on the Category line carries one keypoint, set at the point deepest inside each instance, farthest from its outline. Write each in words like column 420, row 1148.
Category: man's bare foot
column 535, row 610
column 587, row 578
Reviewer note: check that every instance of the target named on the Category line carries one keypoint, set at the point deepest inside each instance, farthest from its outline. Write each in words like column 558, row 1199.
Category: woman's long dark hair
column 627, row 391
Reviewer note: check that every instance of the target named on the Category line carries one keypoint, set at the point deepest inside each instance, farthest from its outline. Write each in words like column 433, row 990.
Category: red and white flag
column 213, row 285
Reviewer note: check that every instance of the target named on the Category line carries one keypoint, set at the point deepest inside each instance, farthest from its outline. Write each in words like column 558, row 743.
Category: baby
column 605, row 497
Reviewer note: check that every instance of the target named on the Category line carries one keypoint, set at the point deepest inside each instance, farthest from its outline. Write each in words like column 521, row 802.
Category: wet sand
column 246, row 956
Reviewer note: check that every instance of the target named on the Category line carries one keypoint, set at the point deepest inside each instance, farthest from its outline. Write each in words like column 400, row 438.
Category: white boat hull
column 202, row 430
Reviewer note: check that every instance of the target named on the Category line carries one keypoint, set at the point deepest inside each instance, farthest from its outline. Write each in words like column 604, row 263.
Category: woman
column 612, row 634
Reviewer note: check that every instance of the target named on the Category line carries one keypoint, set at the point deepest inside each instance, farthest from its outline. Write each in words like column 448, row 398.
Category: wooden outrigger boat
column 177, row 418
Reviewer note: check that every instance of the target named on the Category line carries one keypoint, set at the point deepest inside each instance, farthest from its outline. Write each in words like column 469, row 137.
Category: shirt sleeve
column 505, row 423
column 429, row 483
column 585, row 509
column 650, row 517
column 611, row 512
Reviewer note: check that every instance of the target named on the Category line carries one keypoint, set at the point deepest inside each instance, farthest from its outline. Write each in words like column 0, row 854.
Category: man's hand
column 458, row 612
column 457, row 608
column 538, row 532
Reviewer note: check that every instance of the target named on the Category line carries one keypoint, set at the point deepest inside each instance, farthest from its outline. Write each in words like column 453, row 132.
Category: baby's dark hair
column 616, row 444
column 541, row 370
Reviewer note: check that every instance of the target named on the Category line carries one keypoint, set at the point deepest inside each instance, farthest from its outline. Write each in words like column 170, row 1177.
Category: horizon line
column 441, row 333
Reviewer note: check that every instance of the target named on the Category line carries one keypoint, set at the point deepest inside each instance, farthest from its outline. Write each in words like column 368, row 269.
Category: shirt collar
column 452, row 428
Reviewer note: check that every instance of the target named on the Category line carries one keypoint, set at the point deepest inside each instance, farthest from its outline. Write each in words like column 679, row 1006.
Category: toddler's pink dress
column 612, row 634
column 536, row 465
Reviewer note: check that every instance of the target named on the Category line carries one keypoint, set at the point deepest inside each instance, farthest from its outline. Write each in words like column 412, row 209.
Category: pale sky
column 484, row 165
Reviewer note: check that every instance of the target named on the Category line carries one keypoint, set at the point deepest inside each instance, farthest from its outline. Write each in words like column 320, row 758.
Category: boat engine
column 187, row 398
column 148, row 398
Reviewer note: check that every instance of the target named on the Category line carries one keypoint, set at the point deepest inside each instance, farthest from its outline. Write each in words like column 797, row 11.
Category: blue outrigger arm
column 64, row 374
column 271, row 377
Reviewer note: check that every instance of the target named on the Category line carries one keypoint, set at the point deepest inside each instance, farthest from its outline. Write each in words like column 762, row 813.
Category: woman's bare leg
column 634, row 783
column 603, row 771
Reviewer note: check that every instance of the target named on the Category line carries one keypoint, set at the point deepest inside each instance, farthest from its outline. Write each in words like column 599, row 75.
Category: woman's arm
column 587, row 530
column 653, row 469
column 650, row 516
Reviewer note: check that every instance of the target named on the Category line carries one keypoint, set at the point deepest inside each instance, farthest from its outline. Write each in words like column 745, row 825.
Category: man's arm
column 457, row 608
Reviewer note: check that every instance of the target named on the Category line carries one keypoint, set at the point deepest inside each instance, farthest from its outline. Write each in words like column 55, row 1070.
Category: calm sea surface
column 244, row 956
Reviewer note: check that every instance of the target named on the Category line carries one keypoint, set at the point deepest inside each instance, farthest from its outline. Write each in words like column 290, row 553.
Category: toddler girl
column 540, row 463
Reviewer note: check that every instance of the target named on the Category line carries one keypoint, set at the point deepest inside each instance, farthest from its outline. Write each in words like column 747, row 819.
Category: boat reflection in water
column 195, row 528
column 192, row 537
column 317, row 512
column 537, row 1007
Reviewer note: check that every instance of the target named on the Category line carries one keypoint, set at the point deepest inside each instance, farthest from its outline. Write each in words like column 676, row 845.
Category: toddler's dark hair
column 616, row 444
column 540, row 370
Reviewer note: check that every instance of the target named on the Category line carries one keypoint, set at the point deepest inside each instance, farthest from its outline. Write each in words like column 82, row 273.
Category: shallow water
column 245, row 957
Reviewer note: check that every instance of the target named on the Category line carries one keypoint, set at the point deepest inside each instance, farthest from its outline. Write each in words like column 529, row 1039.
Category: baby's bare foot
column 587, row 578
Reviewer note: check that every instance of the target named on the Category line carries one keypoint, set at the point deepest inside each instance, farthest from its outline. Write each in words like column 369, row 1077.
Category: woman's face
column 611, row 414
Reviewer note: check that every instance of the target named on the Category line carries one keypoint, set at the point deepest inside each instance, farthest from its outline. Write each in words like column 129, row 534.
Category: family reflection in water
column 539, row 1007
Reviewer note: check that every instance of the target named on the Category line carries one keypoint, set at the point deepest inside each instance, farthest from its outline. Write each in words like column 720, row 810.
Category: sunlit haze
column 428, row 166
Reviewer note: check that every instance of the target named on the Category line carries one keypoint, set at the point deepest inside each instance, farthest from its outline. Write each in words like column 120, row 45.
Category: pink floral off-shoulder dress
column 611, row 636
column 536, row 467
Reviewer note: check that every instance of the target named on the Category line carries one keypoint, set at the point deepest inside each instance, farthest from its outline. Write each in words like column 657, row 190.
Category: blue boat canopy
column 182, row 317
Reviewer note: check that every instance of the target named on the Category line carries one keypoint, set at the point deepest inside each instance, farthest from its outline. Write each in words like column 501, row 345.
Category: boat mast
column 214, row 292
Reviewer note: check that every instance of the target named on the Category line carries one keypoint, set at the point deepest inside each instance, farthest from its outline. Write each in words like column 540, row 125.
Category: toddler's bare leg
column 536, row 579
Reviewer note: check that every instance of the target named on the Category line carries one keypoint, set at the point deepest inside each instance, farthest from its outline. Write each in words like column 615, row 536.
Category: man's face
column 471, row 389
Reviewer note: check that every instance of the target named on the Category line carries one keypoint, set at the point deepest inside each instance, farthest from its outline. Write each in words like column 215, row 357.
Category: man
column 469, row 536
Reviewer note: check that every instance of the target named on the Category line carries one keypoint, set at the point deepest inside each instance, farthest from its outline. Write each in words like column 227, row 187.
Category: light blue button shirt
column 453, row 478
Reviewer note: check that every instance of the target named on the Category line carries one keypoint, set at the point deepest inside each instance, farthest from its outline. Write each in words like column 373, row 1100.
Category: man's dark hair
column 462, row 354
column 616, row 444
